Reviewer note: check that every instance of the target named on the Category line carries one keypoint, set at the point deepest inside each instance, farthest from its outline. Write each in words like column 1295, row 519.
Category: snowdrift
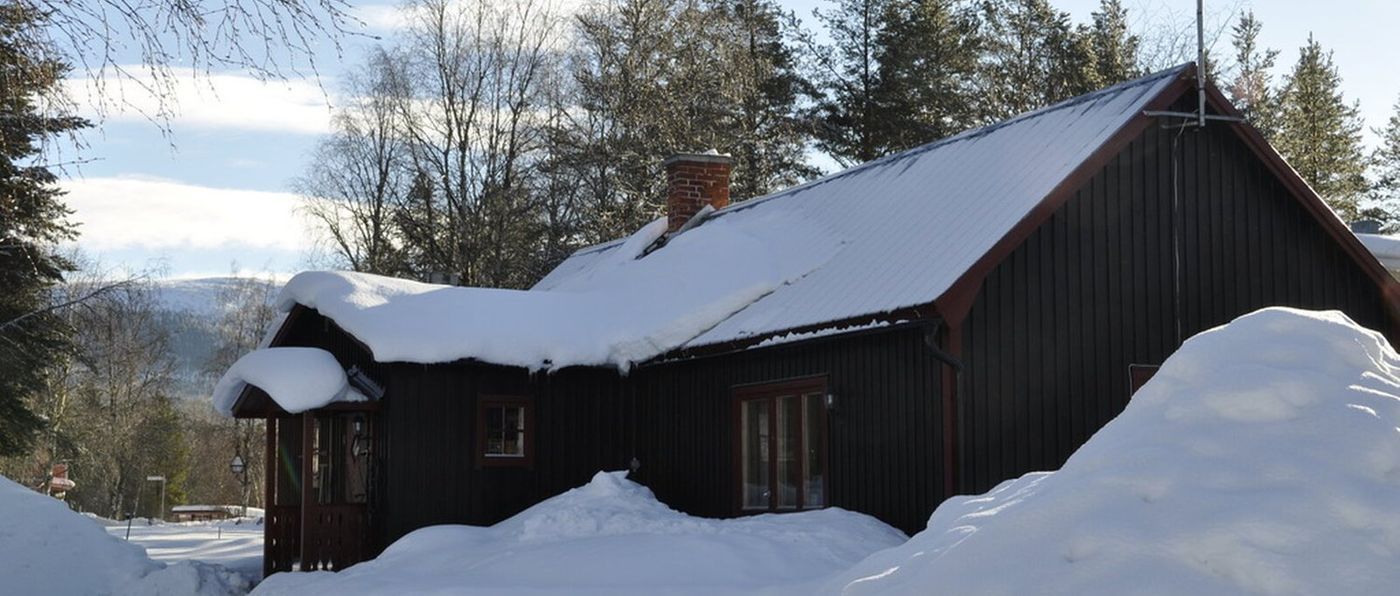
column 45, row 548
column 1264, row 457
column 610, row 536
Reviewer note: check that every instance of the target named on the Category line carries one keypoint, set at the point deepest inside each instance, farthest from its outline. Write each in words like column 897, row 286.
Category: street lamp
column 238, row 467
column 161, row 480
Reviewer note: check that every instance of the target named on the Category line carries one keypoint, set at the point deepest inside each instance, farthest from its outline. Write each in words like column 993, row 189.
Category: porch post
column 269, row 491
column 307, row 447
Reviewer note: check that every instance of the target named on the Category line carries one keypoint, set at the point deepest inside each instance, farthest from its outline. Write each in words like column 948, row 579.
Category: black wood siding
column 1055, row 326
column 885, row 434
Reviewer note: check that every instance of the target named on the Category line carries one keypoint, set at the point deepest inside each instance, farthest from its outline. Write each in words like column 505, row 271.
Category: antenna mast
column 1200, row 64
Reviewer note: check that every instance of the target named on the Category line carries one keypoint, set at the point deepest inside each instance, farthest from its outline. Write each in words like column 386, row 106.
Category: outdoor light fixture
column 359, row 443
column 830, row 401
column 237, row 466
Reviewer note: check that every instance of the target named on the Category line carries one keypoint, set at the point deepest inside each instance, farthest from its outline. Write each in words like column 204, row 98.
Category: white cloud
column 229, row 100
column 134, row 212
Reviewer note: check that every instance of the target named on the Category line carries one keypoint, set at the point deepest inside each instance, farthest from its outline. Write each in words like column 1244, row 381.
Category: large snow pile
column 1264, row 457
column 623, row 311
column 298, row 379
column 610, row 536
column 45, row 548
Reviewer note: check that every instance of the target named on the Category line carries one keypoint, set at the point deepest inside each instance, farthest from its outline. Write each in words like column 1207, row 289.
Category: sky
column 215, row 195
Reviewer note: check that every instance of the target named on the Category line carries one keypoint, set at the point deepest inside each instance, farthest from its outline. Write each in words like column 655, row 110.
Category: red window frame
column 771, row 390
column 484, row 405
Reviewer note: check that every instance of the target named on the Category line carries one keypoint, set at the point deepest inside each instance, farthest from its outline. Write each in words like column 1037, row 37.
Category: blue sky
column 217, row 190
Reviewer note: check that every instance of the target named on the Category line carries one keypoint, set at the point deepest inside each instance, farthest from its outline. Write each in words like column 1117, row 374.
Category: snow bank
column 622, row 311
column 610, row 536
column 1264, row 457
column 47, row 549
column 298, row 379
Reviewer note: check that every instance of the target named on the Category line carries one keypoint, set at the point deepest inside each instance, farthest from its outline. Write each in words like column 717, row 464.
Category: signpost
column 161, row 480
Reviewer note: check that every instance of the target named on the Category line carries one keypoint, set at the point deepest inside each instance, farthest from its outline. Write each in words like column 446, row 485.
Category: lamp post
column 161, row 480
column 239, row 468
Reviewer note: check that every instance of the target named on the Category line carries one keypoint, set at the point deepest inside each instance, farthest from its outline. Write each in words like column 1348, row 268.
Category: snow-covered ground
column 1263, row 458
column 610, row 536
column 236, row 544
column 46, row 548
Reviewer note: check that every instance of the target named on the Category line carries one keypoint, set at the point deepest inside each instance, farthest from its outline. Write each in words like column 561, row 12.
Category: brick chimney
column 694, row 180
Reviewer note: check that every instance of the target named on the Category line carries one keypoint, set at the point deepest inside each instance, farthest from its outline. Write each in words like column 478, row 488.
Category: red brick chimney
column 694, row 180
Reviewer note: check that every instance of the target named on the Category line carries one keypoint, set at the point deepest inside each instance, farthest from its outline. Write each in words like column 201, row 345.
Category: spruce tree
column 1033, row 58
column 1251, row 89
column 925, row 87
column 1385, row 193
column 847, row 71
column 1319, row 133
column 1114, row 47
column 33, row 220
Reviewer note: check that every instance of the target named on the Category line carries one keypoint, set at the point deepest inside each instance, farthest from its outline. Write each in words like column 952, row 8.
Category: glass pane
column 753, row 424
column 814, row 470
column 789, row 450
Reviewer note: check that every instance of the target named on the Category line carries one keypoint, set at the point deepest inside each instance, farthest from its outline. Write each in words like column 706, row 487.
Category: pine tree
column 1251, row 90
column 847, row 72
column 1033, row 58
column 1114, row 46
column 925, row 87
column 1385, row 192
column 1319, row 133
column 33, row 220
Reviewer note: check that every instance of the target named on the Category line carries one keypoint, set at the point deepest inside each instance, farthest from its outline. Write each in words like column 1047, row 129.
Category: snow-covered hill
column 191, row 308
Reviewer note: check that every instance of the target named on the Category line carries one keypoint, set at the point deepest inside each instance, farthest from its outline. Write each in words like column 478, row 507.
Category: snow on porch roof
column 297, row 379
column 914, row 222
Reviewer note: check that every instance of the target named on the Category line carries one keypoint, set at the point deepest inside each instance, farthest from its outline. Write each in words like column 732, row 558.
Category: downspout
column 951, row 379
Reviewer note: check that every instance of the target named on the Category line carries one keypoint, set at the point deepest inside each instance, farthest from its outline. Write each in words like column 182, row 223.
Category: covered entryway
column 325, row 526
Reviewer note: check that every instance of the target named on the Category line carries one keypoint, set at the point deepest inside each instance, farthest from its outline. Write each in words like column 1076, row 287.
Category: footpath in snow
column 234, row 544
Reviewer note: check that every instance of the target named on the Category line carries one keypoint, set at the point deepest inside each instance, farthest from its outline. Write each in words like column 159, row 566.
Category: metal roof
column 909, row 225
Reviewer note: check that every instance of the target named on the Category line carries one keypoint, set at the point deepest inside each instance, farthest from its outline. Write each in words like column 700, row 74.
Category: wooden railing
column 282, row 539
column 335, row 537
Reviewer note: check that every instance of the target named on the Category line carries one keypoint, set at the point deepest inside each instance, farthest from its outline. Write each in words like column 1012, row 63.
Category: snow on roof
column 893, row 233
column 1386, row 249
column 1263, row 458
column 913, row 222
column 298, row 379
column 619, row 311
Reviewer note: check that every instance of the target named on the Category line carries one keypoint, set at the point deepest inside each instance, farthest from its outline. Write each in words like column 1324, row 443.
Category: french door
column 782, row 450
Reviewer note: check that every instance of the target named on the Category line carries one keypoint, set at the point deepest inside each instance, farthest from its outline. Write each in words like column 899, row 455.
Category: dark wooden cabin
column 1155, row 230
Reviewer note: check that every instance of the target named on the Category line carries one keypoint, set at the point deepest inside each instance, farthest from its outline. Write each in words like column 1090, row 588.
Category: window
column 782, row 445
column 504, row 431
column 1138, row 375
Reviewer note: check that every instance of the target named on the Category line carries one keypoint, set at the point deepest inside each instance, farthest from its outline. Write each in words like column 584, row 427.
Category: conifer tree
column 1319, row 133
column 1033, row 58
column 925, row 87
column 1385, row 192
column 33, row 220
column 847, row 71
column 1114, row 46
column 1251, row 89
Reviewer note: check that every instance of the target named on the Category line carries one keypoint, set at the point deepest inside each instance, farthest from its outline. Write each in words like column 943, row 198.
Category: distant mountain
column 191, row 309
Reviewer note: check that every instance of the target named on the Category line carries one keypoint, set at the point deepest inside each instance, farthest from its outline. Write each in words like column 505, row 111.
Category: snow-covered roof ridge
column 971, row 133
